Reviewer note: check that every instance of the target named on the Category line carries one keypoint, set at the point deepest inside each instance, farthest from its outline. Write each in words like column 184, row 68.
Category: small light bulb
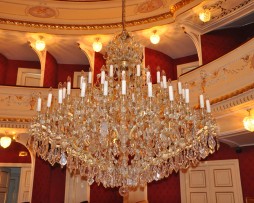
column 205, row 16
column 97, row 46
column 155, row 38
column 40, row 45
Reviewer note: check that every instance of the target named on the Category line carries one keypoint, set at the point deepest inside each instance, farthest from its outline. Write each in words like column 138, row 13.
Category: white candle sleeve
column 83, row 90
column 111, row 71
column 201, row 101
column 81, row 81
column 89, row 77
column 208, row 106
column 60, row 96
column 105, row 89
column 39, row 104
column 183, row 93
column 158, row 77
column 187, row 96
column 179, row 84
column 49, row 100
column 150, row 89
column 138, row 70
column 68, row 88
column 164, row 80
column 64, row 92
column 102, row 77
column 148, row 75
column 171, row 93
column 123, row 87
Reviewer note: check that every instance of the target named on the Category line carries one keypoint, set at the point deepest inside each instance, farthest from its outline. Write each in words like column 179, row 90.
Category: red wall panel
column 3, row 68
column 165, row 191
column 99, row 194
column 12, row 70
column 99, row 61
column 65, row 70
column 50, row 74
column 49, row 183
column 11, row 154
column 41, row 185
column 155, row 58
column 217, row 43
column 57, row 184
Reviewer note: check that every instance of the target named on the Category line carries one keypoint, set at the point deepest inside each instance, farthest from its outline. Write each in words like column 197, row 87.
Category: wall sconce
column 40, row 44
column 97, row 45
column 248, row 122
column 155, row 38
column 205, row 15
column 5, row 141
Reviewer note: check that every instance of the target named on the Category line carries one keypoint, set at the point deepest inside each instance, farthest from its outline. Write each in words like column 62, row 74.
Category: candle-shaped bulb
column 49, row 97
column 183, row 93
column 201, row 101
column 105, row 88
column 103, row 76
column 81, row 79
column 68, row 85
column 60, row 93
column 179, row 85
column 83, row 89
column 158, row 74
column 164, row 79
column 148, row 75
column 187, row 96
column 150, row 89
column 208, row 106
column 39, row 103
column 90, row 77
column 171, row 93
column 64, row 90
column 138, row 70
column 123, row 87
column 111, row 71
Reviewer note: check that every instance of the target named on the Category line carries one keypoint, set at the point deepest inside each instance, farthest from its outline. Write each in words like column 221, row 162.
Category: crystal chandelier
column 123, row 131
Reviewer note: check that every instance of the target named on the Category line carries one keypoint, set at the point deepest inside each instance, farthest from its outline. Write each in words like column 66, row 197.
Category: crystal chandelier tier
column 123, row 131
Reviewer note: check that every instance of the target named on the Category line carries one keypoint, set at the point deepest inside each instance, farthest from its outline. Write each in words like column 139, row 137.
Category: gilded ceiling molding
column 237, row 101
column 223, row 12
column 85, row 27
column 179, row 5
column 15, row 122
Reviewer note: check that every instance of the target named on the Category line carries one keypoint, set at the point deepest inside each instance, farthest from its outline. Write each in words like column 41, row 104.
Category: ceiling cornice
column 50, row 26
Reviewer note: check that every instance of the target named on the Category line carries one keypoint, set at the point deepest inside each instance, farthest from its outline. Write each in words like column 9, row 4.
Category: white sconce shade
column 205, row 16
column 97, row 46
column 5, row 142
column 155, row 38
column 248, row 122
column 40, row 45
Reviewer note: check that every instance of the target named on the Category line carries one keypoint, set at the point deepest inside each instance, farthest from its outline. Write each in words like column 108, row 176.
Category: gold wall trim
column 22, row 120
column 232, row 94
column 85, row 27
column 179, row 5
column 132, row 23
